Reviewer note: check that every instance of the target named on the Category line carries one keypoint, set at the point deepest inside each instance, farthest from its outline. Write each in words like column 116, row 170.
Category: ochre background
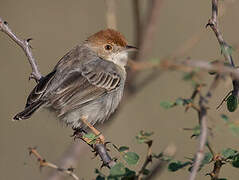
column 57, row 26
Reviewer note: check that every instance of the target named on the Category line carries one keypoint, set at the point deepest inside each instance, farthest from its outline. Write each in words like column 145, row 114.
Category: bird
column 87, row 82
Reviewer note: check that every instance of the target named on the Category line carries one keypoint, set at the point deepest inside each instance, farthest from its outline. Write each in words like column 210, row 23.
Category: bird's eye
column 108, row 47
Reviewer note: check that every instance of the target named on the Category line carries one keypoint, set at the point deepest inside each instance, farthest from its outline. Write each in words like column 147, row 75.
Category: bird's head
column 110, row 45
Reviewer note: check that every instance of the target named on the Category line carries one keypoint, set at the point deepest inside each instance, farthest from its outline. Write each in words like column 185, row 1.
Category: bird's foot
column 78, row 133
column 100, row 138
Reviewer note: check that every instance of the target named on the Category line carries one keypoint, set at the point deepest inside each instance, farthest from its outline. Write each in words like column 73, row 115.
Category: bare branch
column 202, row 138
column 111, row 14
column 149, row 30
column 70, row 158
column 24, row 44
column 213, row 23
column 44, row 163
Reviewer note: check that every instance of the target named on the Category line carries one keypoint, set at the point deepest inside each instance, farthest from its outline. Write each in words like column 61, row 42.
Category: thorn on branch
column 44, row 163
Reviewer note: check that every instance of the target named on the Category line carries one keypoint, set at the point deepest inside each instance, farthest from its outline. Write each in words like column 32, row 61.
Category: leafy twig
column 147, row 160
column 162, row 163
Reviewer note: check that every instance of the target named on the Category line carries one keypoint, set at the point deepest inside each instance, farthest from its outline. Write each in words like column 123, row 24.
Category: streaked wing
column 95, row 79
column 40, row 89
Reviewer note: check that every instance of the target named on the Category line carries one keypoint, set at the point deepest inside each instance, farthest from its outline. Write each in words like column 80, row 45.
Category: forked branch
column 24, row 44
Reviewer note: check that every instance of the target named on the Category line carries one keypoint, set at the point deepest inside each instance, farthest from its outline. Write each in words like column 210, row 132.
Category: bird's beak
column 131, row 48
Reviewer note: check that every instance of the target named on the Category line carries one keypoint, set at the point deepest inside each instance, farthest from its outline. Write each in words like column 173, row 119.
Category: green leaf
column 157, row 156
column 146, row 172
column 176, row 165
column 187, row 101
column 131, row 158
column 234, row 128
column 207, row 158
column 222, row 179
column 196, row 131
column 232, row 103
column 123, row 148
column 99, row 177
column 90, row 136
column 235, row 162
column 143, row 137
column 129, row 174
column 179, row 101
column 229, row 153
column 188, row 76
column 117, row 170
column 166, row 104
column 225, row 117
column 227, row 50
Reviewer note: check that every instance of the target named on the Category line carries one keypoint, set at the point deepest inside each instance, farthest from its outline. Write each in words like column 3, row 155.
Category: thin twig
column 111, row 14
column 161, row 164
column 202, row 138
column 149, row 30
column 147, row 160
column 225, row 48
column 70, row 157
column 44, row 163
column 24, row 44
column 137, row 24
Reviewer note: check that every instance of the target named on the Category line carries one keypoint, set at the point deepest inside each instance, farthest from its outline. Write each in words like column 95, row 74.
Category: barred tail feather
column 28, row 111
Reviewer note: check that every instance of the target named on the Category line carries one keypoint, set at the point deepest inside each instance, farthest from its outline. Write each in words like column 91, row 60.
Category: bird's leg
column 101, row 138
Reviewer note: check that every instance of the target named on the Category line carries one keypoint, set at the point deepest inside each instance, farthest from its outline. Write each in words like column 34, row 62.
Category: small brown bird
column 87, row 82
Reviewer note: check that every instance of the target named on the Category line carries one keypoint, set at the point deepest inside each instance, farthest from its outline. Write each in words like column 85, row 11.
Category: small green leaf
column 117, row 170
column 166, row 105
column 187, row 101
column 196, row 131
column 227, row 50
column 179, row 101
column 146, row 172
column 222, row 179
column 90, row 136
column 157, row 156
column 176, row 165
column 189, row 76
column 235, row 162
column 129, row 174
column 143, row 137
column 123, row 148
column 232, row 103
column 225, row 117
column 207, row 158
column 234, row 128
column 229, row 153
column 99, row 177
column 131, row 158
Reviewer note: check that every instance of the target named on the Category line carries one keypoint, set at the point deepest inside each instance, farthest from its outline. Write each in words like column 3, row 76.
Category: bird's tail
column 28, row 111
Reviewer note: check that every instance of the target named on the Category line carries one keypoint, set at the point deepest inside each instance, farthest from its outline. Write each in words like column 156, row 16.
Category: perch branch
column 44, row 163
column 24, row 44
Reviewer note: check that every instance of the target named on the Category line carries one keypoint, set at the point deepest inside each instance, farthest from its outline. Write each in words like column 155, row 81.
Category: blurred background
column 56, row 27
